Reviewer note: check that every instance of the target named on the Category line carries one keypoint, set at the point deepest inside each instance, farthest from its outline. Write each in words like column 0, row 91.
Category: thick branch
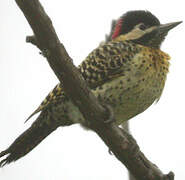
column 119, row 141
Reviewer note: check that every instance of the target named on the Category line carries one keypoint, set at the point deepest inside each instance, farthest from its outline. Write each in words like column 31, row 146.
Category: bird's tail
column 38, row 131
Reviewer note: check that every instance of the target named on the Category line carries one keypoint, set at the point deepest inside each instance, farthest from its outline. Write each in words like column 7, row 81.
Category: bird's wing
column 105, row 63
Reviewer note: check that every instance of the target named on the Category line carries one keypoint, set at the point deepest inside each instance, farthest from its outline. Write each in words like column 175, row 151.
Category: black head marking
column 142, row 27
column 132, row 18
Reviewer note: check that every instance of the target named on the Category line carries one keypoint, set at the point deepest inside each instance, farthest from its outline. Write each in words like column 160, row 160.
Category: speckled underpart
column 127, row 76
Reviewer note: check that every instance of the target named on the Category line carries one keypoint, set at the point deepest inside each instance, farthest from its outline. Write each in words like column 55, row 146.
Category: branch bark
column 119, row 141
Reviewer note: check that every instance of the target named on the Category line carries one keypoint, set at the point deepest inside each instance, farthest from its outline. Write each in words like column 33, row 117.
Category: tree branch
column 118, row 140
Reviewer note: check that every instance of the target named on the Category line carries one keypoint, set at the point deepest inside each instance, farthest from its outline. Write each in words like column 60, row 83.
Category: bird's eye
column 142, row 27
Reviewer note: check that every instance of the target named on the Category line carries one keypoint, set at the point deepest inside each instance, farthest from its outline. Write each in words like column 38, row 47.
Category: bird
column 127, row 72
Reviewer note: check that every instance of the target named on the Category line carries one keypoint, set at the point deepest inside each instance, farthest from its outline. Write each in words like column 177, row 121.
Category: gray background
column 73, row 153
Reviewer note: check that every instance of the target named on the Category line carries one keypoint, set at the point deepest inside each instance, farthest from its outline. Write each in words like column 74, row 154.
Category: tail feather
column 4, row 161
column 35, row 112
column 38, row 131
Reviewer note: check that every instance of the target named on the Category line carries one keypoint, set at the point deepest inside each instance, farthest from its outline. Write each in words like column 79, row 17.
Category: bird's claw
column 110, row 112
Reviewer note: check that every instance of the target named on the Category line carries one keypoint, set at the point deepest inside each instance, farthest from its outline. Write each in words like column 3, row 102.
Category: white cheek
column 134, row 34
column 137, row 33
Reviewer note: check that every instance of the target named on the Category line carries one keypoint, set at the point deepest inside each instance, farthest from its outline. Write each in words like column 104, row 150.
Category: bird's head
column 142, row 27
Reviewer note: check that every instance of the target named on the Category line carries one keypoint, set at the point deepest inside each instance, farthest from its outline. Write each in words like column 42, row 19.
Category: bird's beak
column 164, row 28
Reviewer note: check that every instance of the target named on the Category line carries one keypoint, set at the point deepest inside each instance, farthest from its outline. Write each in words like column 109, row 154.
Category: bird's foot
column 110, row 113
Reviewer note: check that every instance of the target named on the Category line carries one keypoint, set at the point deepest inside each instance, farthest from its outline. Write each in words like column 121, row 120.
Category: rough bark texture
column 119, row 141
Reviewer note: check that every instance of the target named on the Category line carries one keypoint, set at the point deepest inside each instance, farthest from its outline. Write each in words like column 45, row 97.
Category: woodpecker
column 128, row 73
